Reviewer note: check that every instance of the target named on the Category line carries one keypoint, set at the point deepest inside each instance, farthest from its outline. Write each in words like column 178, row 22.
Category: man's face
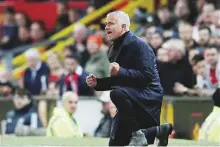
column 61, row 9
column 20, row 102
column 162, row 55
column 37, row 34
column 32, row 62
column 174, row 55
column 70, row 65
column 163, row 15
column 156, row 40
column 181, row 9
column 92, row 46
column 185, row 33
column 211, row 56
column 204, row 37
column 200, row 67
column 113, row 28
column 80, row 34
column 8, row 17
column 70, row 104
column 20, row 19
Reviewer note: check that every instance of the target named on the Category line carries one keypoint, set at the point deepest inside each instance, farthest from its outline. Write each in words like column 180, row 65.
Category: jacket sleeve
column 113, row 82
column 104, row 84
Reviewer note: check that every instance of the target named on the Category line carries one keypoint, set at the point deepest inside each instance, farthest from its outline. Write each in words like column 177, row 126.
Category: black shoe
column 138, row 139
column 164, row 132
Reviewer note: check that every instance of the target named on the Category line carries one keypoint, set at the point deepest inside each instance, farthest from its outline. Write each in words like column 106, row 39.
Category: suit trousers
column 130, row 118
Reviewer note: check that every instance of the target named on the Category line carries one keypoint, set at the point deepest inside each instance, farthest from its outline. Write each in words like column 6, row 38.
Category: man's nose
column 106, row 27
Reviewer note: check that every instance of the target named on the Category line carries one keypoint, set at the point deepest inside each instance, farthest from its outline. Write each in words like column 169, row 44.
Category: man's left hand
column 114, row 69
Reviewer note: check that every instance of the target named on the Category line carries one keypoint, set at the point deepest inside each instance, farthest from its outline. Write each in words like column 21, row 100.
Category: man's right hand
column 91, row 80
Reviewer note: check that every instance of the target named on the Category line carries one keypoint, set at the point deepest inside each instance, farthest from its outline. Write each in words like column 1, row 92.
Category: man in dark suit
column 135, row 84
column 36, row 75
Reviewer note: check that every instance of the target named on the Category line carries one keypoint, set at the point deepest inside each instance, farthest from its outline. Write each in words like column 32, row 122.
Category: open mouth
column 109, row 32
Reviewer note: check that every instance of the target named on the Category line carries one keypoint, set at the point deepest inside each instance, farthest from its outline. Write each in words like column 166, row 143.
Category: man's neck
column 121, row 38
column 213, row 66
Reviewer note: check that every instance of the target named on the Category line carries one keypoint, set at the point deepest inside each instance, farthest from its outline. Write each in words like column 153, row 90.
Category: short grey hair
column 175, row 44
column 68, row 95
column 122, row 17
column 33, row 53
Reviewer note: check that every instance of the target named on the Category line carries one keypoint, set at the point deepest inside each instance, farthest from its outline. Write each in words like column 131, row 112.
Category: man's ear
column 124, row 26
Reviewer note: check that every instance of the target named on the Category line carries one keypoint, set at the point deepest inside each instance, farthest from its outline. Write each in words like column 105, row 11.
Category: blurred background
column 48, row 47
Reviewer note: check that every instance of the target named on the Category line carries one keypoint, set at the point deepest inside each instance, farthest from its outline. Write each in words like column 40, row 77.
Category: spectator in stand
column 162, row 55
column 186, row 34
column 207, row 72
column 148, row 31
column 63, row 123
column 206, row 14
column 24, row 114
column 36, row 79
column 98, row 62
column 6, row 89
column 204, row 37
column 23, row 36
column 211, row 56
column 90, row 9
column 182, row 11
column 73, row 15
column 177, row 69
column 38, row 31
column 202, row 87
column 22, row 20
column 37, row 73
column 68, row 51
column 74, row 78
column 106, row 42
column 200, row 4
column 6, row 84
column 79, row 46
column 9, row 29
column 103, row 129
column 165, row 19
column 62, row 16
column 156, row 39
column 56, row 69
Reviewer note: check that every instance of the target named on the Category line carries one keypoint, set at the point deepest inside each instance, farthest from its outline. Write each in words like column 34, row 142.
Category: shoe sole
column 170, row 127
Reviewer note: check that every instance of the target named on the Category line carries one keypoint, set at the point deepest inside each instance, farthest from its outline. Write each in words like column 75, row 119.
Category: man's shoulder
column 138, row 44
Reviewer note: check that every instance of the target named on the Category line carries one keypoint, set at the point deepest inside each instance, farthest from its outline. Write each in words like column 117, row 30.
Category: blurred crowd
column 186, row 45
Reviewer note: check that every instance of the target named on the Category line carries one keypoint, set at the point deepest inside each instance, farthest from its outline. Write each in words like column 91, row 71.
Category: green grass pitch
column 61, row 142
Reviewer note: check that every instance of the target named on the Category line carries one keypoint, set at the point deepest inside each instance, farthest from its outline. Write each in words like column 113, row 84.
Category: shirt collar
column 37, row 67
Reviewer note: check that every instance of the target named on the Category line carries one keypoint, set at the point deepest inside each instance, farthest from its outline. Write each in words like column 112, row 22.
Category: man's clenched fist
column 91, row 80
column 114, row 68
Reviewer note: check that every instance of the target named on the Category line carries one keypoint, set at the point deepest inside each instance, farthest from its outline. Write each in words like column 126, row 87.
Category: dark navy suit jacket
column 138, row 75
column 35, row 86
